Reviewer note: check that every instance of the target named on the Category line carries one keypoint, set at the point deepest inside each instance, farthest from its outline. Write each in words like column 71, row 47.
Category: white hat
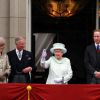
column 58, row 46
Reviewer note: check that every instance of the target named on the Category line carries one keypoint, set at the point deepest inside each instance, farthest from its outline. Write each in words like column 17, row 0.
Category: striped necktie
column 19, row 55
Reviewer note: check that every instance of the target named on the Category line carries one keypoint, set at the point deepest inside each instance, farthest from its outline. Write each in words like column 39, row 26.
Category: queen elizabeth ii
column 60, row 71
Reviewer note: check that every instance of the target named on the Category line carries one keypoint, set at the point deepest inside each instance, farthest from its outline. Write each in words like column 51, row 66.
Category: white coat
column 4, row 68
column 59, row 70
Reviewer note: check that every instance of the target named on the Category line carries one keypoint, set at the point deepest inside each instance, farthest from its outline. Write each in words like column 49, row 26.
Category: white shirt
column 58, row 69
column 96, row 45
column 17, row 52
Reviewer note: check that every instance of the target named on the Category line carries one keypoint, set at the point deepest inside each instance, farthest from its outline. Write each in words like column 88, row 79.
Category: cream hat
column 58, row 46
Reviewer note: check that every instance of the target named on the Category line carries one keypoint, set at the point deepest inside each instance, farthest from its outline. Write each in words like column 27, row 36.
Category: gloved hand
column 43, row 56
column 58, row 80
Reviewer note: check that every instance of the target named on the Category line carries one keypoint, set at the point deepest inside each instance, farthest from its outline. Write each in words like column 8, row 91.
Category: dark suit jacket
column 18, row 65
column 90, row 61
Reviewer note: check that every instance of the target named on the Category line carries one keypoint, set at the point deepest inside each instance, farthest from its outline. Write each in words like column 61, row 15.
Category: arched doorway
column 75, row 32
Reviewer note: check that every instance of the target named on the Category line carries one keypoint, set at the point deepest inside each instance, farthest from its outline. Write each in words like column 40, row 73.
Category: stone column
column 28, row 24
column 17, row 20
column 4, row 21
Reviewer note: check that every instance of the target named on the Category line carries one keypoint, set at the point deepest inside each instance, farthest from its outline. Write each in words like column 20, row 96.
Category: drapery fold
column 50, row 92
column 42, row 41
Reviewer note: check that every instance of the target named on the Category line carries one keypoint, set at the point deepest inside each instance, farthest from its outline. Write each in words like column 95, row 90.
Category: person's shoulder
column 51, row 58
column 90, row 46
column 66, row 59
column 27, row 52
column 10, row 52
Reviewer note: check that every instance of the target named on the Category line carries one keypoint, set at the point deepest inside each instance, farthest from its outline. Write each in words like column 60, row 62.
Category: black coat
column 18, row 65
column 90, row 61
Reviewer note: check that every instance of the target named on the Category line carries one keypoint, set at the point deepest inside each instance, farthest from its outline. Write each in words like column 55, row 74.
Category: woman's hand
column 43, row 56
column 58, row 80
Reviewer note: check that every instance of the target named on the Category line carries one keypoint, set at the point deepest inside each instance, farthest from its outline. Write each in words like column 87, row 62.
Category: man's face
column 96, row 37
column 20, row 44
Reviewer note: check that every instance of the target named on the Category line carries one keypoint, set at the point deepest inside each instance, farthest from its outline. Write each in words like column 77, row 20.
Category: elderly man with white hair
column 22, row 63
column 60, row 71
column 4, row 64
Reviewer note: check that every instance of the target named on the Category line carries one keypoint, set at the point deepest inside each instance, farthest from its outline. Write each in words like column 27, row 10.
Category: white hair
column 19, row 38
column 2, row 41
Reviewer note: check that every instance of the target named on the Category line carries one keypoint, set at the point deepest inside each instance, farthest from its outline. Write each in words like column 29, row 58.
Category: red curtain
column 49, row 92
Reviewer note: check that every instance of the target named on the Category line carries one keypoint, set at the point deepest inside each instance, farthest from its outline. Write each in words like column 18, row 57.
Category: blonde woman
column 60, row 71
column 4, row 64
